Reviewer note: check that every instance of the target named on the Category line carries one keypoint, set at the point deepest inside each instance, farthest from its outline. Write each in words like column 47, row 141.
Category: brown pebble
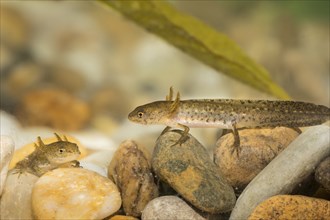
column 258, row 148
column 291, row 207
column 131, row 171
column 54, row 108
column 189, row 170
column 322, row 173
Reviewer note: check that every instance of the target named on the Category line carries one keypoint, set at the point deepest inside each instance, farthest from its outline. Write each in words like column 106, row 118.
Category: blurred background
column 72, row 65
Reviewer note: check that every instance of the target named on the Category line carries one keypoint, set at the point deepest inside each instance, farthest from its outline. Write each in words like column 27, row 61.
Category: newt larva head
column 61, row 152
column 152, row 113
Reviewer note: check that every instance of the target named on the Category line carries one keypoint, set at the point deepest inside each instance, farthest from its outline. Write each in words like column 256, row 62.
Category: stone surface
column 189, row 170
column 291, row 207
column 169, row 207
column 74, row 193
column 7, row 147
column 9, row 125
column 16, row 197
column 322, row 173
column 131, row 171
column 286, row 171
column 123, row 217
column 54, row 108
column 258, row 148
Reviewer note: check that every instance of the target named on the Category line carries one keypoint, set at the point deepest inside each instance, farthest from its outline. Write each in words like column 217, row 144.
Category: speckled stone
column 291, row 207
column 258, row 148
column 189, row 170
column 74, row 193
column 131, row 170
column 169, row 207
column 322, row 173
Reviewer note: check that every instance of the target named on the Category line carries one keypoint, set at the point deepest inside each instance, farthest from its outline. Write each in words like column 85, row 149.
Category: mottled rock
column 189, row 170
column 322, row 173
column 169, row 207
column 54, row 108
column 131, row 171
column 7, row 147
column 16, row 197
column 258, row 148
column 286, row 171
column 74, row 193
column 291, row 207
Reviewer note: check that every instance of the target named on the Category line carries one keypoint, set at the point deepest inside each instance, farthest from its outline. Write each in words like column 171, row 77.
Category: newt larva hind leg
column 166, row 130
column 237, row 143
column 183, row 137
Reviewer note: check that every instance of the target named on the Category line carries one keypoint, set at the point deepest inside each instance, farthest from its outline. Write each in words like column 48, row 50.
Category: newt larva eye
column 62, row 150
column 140, row 114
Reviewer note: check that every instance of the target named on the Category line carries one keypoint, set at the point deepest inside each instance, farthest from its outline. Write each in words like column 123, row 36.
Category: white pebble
column 16, row 196
column 93, row 167
column 287, row 170
column 100, row 158
column 7, row 147
column 74, row 193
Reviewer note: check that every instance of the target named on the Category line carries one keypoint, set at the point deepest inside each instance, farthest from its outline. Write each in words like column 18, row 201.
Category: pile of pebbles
column 274, row 171
column 278, row 174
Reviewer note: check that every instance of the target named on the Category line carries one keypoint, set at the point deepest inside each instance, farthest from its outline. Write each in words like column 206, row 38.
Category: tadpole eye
column 61, row 150
column 140, row 114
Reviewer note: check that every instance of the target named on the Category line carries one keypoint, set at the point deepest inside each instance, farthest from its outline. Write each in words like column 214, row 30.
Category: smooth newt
column 229, row 114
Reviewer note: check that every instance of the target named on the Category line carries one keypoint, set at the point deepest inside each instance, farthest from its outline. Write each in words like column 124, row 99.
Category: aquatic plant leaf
column 198, row 40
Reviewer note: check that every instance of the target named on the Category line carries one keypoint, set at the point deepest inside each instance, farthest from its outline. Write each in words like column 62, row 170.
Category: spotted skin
column 229, row 114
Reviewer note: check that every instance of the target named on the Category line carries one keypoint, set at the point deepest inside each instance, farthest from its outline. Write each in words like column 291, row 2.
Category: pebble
column 286, row 171
column 9, row 125
column 59, row 109
column 131, row 171
column 24, row 151
column 258, row 148
column 322, row 173
column 100, row 158
column 74, row 193
column 189, row 170
column 7, row 147
column 169, row 207
column 123, row 217
column 93, row 167
column 16, row 197
column 291, row 207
